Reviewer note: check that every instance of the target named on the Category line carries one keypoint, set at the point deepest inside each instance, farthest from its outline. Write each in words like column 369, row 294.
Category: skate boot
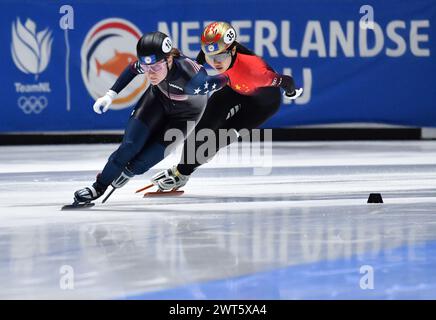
column 170, row 179
column 89, row 194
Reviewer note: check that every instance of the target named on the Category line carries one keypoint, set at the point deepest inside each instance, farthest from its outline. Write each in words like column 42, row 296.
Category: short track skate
column 78, row 205
column 160, row 193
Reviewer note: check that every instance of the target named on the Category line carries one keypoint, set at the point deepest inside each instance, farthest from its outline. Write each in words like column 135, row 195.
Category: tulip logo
column 30, row 49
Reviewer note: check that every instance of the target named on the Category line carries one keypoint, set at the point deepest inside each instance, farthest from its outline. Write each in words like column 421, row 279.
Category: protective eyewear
column 155, row 67
column 220, row 57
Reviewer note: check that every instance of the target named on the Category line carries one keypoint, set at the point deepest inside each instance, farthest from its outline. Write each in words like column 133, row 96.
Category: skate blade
column 77, row 206
column 145, row 188
column 171, row 193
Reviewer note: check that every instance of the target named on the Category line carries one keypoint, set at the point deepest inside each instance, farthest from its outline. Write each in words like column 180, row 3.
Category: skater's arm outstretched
column 272, row 79
column 130, row 72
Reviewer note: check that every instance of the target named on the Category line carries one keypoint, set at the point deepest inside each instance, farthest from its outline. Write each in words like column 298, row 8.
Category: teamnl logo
column 108, row 48
column 31, row 51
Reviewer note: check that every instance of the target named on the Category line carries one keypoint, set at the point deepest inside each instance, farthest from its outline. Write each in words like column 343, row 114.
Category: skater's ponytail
column 175, row 53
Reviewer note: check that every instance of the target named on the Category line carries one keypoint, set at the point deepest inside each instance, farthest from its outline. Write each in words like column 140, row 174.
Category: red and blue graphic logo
column 108, row 48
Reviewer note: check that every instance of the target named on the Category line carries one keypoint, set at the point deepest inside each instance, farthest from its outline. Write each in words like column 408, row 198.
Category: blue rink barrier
column 357, row 64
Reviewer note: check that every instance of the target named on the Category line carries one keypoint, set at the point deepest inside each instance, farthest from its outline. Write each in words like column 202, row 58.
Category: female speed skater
column 248, row 94
column 164, row 106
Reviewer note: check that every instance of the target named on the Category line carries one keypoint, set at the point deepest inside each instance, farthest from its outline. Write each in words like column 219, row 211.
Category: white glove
column 104, row 102
column 297, row 93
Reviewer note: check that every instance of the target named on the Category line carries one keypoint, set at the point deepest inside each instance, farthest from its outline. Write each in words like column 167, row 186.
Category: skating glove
column 293, row 95
column 104, row 102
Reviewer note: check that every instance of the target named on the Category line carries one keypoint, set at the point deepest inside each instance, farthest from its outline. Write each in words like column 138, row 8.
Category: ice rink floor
column 299, row 230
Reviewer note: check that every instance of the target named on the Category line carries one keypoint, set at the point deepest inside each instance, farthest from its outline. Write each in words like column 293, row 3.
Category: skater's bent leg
column 249, row 113
column 214, row 118
column 145, row 119
column 158, row 147
column 148, row 157
column 256, row 110
column 134, row 139
column 197, row 153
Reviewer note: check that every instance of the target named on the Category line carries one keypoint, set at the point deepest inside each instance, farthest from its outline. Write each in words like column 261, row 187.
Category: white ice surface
column 236, row 217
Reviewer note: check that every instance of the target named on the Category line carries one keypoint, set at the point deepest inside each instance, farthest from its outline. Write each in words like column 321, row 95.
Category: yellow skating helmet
column 217, row 37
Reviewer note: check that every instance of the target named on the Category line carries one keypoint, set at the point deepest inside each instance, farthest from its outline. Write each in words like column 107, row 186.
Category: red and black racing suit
column 248, row 95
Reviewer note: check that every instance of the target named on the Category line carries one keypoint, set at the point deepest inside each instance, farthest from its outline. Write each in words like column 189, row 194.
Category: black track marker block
column 375, row 198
